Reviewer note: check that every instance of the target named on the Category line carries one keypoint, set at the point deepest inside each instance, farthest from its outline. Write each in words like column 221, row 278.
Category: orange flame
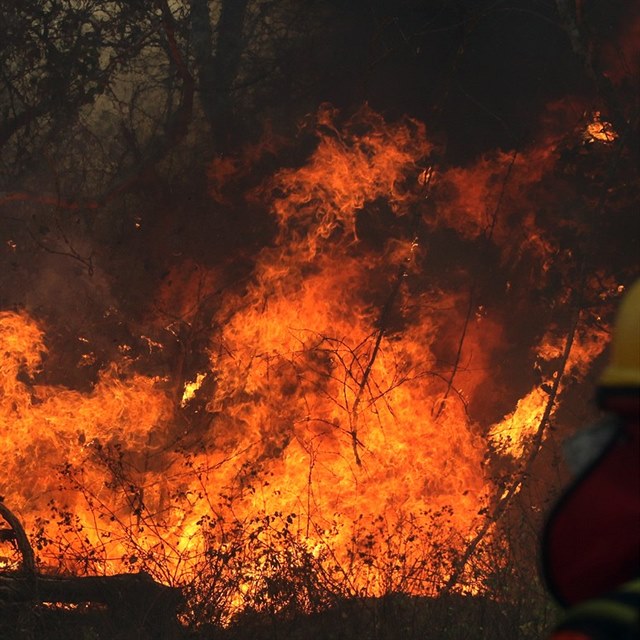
column 334, row 408
column 348, row 169
column 511, row 434
column 599, row 130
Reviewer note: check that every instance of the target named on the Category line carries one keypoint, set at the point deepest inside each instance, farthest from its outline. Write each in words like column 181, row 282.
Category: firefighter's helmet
column 623, row 370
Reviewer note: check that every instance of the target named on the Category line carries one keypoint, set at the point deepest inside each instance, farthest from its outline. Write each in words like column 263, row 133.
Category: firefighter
column 591, row 541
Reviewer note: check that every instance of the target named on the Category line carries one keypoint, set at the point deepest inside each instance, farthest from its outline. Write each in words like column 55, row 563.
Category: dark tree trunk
column 217, row 67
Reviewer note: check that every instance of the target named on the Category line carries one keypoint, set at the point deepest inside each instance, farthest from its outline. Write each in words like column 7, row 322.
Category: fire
column 22, row 346
column 512, row 433
column 333, row 423
column 599, row 130
column 348, row 169
column 46, row 428
column 190, row 389
column 348, row 434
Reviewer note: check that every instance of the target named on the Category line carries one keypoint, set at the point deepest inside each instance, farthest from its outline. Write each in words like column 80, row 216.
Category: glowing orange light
column 599, row 130
column 338, row 409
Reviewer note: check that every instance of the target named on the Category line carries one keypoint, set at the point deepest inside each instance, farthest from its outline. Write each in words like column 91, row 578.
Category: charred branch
column 134, row 601
column 21, row 540
column 512, row 486
column 442, row 401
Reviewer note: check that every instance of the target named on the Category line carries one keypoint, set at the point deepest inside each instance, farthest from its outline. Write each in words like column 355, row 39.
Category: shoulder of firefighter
column 591, row 541
column 615, row 616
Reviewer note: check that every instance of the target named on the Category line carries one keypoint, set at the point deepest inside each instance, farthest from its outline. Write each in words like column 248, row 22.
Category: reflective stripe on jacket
column 615, row 616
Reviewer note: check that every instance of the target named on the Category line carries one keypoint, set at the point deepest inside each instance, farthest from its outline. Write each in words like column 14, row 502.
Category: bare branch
column 511, row 488
column 22, row 542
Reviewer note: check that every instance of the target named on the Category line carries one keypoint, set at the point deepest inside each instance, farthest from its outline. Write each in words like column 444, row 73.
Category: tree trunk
column 217, row 70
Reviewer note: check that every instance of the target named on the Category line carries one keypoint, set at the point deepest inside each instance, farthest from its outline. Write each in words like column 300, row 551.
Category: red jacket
column 591, row 543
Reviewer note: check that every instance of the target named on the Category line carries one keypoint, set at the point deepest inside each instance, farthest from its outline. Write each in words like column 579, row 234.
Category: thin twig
column 511, row 489
column 382, row 324
column 456, row 363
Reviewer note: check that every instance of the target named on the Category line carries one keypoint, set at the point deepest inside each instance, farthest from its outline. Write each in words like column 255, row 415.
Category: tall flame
column 334, row 407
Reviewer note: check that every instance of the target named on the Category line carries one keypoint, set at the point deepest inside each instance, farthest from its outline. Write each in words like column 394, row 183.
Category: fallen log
column 132, row 588
column 133, row 602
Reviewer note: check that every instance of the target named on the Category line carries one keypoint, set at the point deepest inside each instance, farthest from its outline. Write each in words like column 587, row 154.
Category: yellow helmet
column 623, row 369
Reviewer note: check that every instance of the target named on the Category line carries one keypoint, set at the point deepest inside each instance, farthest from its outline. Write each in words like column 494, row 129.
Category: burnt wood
column 134, row 602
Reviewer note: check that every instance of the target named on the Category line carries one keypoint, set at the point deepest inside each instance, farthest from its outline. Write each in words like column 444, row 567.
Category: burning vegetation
column 345, row 381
